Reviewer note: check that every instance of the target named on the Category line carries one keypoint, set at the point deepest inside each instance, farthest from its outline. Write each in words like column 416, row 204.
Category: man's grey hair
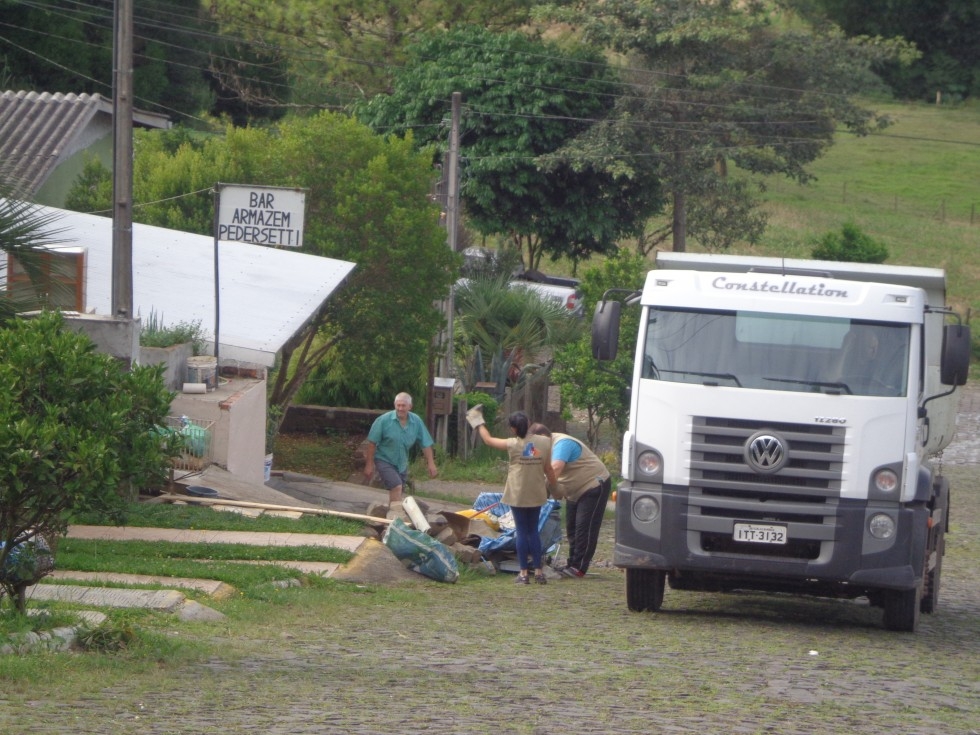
column 404, row 397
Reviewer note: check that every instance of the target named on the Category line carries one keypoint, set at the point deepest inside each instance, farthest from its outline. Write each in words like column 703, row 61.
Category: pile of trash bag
column 27, row 562
column 498, row 516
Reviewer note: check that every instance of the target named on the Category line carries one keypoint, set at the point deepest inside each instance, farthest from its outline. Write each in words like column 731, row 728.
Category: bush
column 850, row 245
column 490, row 405
column 76, row 431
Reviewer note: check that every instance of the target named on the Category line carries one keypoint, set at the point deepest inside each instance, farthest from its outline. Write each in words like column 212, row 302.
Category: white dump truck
column 784, row 415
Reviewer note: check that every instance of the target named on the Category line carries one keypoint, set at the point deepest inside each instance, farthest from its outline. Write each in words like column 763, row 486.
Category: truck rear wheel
column 645, row 589
column 931, row 583
column 932, row 577
column 901, row 609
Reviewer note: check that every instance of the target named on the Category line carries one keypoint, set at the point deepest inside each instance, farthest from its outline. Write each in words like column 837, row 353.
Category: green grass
column 912, row 187
column 167, row 515
column 485, row 465
column 174, row 559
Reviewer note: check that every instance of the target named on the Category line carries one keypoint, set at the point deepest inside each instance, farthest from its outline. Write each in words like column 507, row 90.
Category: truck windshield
column 782, row 352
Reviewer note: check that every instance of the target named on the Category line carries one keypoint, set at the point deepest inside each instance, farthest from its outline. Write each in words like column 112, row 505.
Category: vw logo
column 766, row 452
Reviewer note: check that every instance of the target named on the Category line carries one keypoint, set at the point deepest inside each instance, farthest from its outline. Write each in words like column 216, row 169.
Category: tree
column 61, row 46
column 719, row 81
column 944, row 31
column 500, row 327
column 367, row 203
column 603, row 390
column 25, row 229
column 524, row 99
column 345, row 51
column 77, row 431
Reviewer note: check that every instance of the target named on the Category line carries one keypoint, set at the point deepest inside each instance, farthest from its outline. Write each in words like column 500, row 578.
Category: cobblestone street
column 487, row 656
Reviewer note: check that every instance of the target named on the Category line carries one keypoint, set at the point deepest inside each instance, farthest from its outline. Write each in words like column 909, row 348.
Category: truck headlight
column 649, row 463
column 881, row 526
column 646, row 508
column 886, row 480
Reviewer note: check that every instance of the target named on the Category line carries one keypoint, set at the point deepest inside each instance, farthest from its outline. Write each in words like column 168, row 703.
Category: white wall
column 238, row 410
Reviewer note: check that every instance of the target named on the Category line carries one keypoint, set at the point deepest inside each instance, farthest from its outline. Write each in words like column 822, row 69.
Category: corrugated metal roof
column 266, row 295
column 37, row 131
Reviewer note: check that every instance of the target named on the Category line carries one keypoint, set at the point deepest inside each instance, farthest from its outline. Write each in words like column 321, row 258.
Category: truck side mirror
column 954, row 367
column 605, row 330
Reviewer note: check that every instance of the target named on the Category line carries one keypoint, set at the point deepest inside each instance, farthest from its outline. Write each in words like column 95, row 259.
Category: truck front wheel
column 645, row 589
column 901, row 609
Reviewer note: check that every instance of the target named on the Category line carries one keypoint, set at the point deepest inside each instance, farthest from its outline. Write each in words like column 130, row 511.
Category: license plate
column 760, row 534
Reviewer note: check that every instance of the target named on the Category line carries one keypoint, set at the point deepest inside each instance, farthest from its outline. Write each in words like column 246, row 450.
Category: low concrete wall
column 174, row 360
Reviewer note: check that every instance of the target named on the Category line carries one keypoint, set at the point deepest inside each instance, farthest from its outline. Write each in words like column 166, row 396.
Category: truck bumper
column 830, row 552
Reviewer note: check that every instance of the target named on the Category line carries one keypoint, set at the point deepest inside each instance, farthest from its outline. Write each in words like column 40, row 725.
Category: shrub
column 76, row 432
column 850, row 245
column 154, row 334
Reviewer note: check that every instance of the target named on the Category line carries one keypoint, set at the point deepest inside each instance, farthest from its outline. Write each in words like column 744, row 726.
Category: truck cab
column 783, row 416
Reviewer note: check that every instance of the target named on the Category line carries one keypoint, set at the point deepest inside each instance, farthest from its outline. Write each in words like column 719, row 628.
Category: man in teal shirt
column 391, row 437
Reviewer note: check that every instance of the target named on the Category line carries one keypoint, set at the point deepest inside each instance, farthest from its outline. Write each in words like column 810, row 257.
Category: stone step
column 211, row 587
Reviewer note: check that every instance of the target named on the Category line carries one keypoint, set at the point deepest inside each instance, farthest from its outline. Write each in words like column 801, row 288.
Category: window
column 779, row 352
column 62, row 282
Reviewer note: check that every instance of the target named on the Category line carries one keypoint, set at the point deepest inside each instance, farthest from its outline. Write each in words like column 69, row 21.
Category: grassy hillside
column 915, row 187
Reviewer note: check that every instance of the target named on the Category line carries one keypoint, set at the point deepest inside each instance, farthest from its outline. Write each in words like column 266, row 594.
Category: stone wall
column 320, row 419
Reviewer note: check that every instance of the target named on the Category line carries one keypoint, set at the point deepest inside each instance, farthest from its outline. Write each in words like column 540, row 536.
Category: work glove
column 474, row 417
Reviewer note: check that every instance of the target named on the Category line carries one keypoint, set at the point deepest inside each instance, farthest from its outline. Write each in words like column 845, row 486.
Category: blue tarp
column 549, row 524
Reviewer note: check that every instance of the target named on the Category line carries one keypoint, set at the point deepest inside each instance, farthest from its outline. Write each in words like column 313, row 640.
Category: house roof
column 267, row 295
column 40, row 130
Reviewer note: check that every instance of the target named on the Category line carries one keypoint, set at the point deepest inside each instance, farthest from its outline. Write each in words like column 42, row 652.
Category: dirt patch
column 375, row 564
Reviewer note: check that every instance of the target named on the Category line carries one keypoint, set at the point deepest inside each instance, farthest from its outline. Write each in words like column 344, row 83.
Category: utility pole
column 122, row 161
column 444, row 369
column 452, row 217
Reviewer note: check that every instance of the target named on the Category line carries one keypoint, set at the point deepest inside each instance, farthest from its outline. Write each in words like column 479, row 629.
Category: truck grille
column 801, row 494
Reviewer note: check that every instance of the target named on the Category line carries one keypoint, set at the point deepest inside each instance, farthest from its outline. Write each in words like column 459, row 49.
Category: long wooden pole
column 268, row 506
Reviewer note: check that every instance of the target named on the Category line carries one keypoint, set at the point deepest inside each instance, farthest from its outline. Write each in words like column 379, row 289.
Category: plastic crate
column 198, row 438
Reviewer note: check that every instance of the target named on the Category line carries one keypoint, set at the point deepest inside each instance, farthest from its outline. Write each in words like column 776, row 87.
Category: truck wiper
column 840, row 387
column 723, row 376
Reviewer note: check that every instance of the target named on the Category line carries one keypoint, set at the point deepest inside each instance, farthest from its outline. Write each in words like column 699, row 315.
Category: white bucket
column 203, row 369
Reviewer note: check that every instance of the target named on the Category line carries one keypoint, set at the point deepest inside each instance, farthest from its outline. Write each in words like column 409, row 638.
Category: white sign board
column 262, row 215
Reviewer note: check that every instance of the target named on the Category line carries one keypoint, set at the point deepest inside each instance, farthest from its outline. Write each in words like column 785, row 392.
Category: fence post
column 462, row 430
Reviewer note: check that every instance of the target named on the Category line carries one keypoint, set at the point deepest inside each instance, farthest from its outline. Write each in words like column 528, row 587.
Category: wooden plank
column 374, row 520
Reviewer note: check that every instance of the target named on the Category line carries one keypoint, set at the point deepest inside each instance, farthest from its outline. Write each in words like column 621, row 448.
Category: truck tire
column 932, row 577
column 901, row 609
column 645, row 589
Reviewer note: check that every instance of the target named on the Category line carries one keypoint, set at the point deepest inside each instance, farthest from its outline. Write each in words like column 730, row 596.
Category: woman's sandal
column 522, row 579
column 540, row 578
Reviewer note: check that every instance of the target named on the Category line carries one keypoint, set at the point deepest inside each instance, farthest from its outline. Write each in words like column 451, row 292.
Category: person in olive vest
column 529, row 474
column 584, row 483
